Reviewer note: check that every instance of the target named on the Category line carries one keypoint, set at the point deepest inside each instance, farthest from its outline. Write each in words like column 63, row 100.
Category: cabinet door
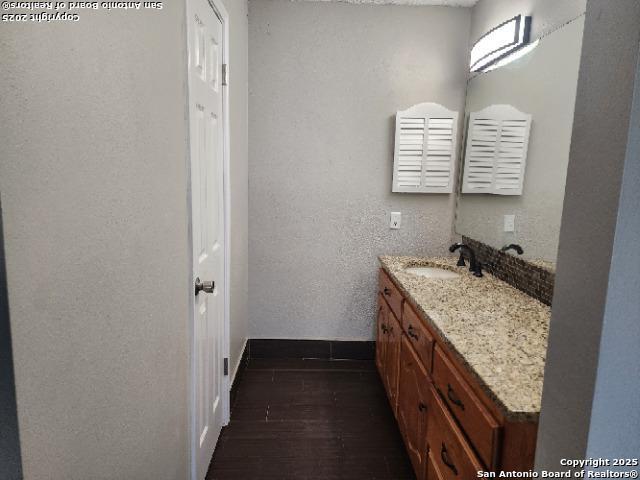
column 418, row 335
column 450, row 451
column 392, row 359
column 413, row 394
column 381, row 336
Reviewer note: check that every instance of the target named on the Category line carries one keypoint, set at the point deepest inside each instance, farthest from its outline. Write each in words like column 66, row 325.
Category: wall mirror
column 542, row 84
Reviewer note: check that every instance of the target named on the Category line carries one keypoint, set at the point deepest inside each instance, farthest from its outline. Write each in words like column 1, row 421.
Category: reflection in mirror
column 543, row 84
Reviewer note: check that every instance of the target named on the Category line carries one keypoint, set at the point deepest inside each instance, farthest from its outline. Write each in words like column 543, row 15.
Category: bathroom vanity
column 462, row 361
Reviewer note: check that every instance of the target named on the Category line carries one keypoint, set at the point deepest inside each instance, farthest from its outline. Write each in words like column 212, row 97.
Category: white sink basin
column 432, row 272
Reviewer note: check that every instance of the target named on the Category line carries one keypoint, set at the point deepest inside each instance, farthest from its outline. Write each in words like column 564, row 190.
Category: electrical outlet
column 395, row 220
column 509, row 223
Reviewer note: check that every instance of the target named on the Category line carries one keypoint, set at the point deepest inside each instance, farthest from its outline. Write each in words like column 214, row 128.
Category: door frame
column 221, row 12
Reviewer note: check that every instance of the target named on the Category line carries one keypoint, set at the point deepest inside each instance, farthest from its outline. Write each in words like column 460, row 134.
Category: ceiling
column 447, row 3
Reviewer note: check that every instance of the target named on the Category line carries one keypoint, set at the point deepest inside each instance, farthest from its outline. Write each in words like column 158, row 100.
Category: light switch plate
column 509, row 223
column 395, row 220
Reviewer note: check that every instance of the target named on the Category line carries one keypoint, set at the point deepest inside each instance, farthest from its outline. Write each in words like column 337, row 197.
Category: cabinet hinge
column 225, row 366
column 224, row 74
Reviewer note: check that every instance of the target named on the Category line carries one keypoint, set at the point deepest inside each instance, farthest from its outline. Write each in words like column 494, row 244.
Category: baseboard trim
column 244, row 358
column 317, row 349
column 237, row 374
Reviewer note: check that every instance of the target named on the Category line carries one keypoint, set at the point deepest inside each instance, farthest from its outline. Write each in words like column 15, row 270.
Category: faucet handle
column 455, row 246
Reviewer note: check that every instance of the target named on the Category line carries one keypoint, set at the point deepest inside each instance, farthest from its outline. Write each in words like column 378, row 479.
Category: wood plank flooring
column 310, row 419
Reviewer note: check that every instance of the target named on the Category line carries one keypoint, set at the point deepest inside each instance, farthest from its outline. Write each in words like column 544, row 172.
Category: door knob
column 204, row 286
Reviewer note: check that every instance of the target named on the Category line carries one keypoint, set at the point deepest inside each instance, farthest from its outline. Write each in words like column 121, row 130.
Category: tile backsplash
column 532, row 279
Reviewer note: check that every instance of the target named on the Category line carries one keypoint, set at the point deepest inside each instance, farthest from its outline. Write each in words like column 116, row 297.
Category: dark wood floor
column 310, row 419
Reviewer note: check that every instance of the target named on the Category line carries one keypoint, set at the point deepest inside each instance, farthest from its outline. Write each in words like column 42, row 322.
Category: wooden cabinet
column 479, row 425
column 433, row 473
column 381, row 335
column 388, row 350
column 413, row 398
column 451, row 453
column 392, row 360
column 418, row 335
column 391, row 294
column 450, row 427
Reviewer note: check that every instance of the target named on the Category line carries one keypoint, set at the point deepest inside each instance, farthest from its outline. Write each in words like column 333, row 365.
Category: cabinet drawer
column 419, row 336
column 452, row 456
column 390, row 293
column 476, row 421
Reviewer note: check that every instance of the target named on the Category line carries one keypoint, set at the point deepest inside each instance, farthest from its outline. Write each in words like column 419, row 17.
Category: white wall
column 238, row 91
column 93, row 189
column 615, row 414
column 326, row 80
column 590, row 394
column 94, row 205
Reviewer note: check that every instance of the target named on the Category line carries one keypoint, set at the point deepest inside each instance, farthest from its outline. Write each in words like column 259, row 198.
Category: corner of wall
column 598, row 150
column 239, row 177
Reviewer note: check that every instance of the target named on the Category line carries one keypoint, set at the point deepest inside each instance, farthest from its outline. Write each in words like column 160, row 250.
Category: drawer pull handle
column 422, row 407
column 387, row 291
column 384, row 328
column 445, row 459
column 452, row 397
column 411, row 333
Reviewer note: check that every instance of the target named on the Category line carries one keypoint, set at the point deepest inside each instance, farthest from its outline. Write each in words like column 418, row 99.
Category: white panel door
column 204, row 30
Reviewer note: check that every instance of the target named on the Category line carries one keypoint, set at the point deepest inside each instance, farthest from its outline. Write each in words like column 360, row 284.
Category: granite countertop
column 498, row 332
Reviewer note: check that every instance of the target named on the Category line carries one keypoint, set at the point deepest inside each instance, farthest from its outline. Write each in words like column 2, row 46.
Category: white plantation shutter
column 409, row 152
column 482, row 140
column 496, row 151
column 425, row 149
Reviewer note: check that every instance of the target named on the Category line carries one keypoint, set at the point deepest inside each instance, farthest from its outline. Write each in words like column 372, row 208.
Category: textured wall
column 325, row 81
column 547, row 14
column 543, row 84
column 94, row 196
column 592, row 197
column 238, row 102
